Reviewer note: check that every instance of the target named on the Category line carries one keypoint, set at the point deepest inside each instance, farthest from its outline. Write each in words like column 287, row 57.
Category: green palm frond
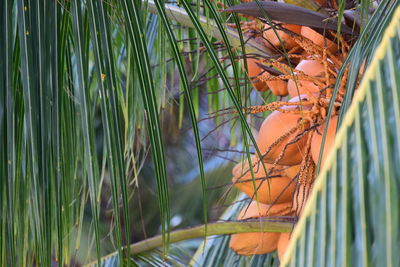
column 353, row 213
column 78, row 107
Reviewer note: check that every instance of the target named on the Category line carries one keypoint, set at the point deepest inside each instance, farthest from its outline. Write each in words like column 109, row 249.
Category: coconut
column 272, row 41
column 276, row 189
column 278, row 87
column 254, row 243
column 311, row 68
column 283, row 243
column 273, row 128
column 318, row 39
column 253, row 71
column 317, row 140
column 254, row 210
column 257, row 210
column 257, row 242
column 292, row 171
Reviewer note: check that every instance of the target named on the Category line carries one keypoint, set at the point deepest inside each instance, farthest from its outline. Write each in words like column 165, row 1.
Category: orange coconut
column 273, row 128
column 318, row 39
column 311, row 68
column 257, row 243
column 283, row 243
column 276, row 189
column 278, row 87
column 252, row 211
column 292, row 171
column 272, row 40
column 254, row 243
column 317, row 140
column 253, row 71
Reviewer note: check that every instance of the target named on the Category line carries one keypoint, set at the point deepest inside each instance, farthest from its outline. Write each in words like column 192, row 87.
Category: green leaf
column 87, row 114
column 189, row 101
column 132, row 13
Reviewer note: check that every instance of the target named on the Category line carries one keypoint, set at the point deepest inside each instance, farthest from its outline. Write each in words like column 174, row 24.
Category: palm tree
column 84, row 101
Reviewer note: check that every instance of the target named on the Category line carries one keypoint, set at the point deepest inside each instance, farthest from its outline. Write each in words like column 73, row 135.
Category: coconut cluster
column 302, row 72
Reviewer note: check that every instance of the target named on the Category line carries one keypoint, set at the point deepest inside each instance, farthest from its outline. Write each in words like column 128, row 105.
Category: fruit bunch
column 273, row 190
column 302, row 70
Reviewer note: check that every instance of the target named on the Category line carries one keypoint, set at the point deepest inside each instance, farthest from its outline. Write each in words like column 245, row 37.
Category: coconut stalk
column 270, row 224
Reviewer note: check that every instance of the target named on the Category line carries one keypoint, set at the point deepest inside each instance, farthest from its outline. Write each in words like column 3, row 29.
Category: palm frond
column 189, row 101
column 81, row 52
column 132, row 13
